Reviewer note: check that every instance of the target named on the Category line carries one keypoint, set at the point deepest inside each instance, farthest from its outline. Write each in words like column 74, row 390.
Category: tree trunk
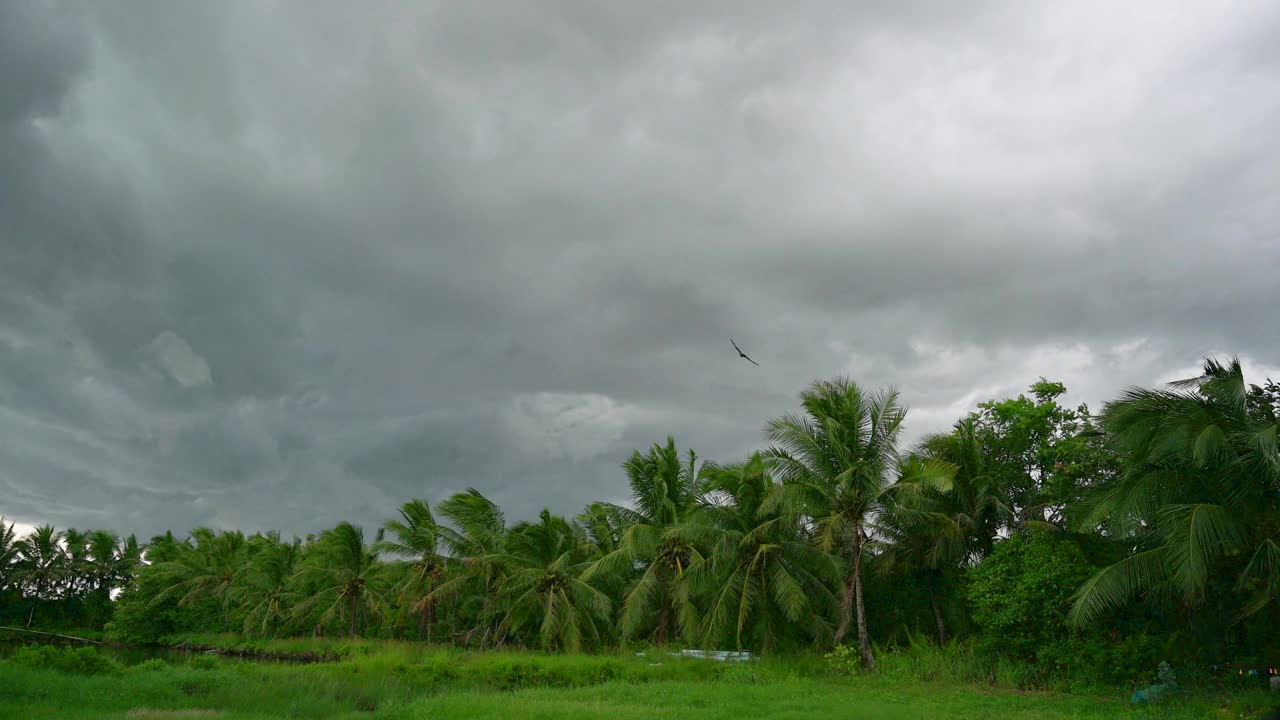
column 846, row 609
column 937, row 615
column 864, row 642
column 663, row 619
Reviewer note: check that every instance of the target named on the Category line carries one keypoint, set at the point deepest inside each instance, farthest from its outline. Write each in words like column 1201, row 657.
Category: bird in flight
column 742, row 354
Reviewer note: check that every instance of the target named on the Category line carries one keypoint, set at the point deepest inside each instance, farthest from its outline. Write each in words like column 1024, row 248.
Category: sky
column 280, row 264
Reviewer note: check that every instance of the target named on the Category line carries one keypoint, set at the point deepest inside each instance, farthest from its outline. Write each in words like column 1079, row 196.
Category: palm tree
column 975, row 502
column 835, row 462
column 603, row 526
column 1200, row 493
column 109, row 562
column 40, row 570
column 476, row 542
column 42, row 563
column 264, row 588
column 206, row 570
column 346, row 573
column 417, row 537
column 659, row 539
column 929, row 532
column 78, row 570
column 10, row 553
column 543, row 588
column 763, row 579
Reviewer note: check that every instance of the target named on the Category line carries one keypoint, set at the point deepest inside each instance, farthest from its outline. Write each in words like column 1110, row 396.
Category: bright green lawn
column 439, row 686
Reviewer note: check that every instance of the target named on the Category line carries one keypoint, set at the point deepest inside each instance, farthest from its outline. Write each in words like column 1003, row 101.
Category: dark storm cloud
column 280, row 264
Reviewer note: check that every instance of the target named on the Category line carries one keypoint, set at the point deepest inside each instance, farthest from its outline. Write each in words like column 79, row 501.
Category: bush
column 1019, row 597
column 843, row 660
column 204, row 662
column 80, row 660
column 151, row 665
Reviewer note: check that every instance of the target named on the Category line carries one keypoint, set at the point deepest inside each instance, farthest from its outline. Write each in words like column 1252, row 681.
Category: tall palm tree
column 1199, row 497
column 543, row 588
column 206, row 569
column 661, row 538
column 9, row 555
column 835, row 462
column 929, row 532
column 975, row 502
column 42, row 564
column 763, row 579
column 417, row 538
column 603, row 526
column 41, row 569
column 78, row 578
column 264, row 587
column 475, row 541
column 346, row 572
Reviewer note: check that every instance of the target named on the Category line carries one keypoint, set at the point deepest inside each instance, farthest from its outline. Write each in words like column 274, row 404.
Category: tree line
column 1031, row 528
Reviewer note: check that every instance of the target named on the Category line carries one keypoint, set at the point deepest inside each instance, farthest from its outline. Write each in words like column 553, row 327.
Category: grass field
column 401, row 681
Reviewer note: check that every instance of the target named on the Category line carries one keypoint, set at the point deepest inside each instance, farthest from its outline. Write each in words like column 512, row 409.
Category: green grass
column 405, row 681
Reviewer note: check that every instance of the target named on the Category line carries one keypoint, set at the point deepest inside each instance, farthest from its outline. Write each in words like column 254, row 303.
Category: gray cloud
column 273, row 265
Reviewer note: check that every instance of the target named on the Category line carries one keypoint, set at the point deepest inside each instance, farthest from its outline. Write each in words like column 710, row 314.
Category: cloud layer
column 280, row 264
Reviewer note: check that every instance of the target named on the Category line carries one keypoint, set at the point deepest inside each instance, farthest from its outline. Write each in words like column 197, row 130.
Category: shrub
column 80, row 660
column 204, row 662
column 1019, row 597
column 843, row 660
column 151, row 665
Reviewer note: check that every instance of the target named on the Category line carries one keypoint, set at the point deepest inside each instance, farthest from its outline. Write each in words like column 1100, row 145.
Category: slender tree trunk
column 846, row 609
column 864, row 642
column 663, row 618
column 937, row 615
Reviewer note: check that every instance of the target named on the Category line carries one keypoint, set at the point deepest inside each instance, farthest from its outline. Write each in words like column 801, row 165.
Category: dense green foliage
column 1031, row 533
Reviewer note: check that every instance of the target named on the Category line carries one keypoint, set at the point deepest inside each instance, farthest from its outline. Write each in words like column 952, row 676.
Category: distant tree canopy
column 1043, row 532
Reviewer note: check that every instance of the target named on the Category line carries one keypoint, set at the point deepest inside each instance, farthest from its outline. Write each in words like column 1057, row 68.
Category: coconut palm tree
column 930, row 532
column 974, row 502
column 603, row 526
column 205, row 569
column 10, row 553
column 42, row 563
column 660, row 541
column 417, row 538
column 78, row 577
column 346, row 573
column 835, row 461
column 1199, row 497
column 264, row 589
column 476, row 542
column 763, row 580
column 543, row 590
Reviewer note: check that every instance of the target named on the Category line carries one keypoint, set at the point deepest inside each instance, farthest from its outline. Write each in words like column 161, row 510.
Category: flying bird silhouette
column 742, row 354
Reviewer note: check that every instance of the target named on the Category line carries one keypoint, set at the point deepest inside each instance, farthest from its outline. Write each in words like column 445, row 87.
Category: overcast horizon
column 280, row 264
